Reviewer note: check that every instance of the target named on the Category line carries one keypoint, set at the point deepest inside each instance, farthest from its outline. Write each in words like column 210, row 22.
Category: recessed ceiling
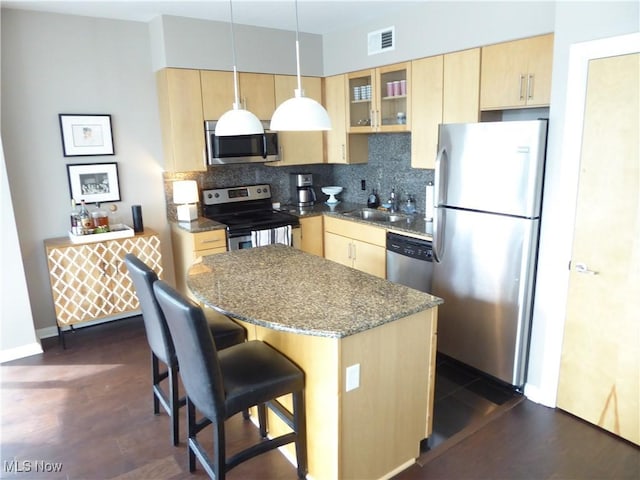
column 314, row 16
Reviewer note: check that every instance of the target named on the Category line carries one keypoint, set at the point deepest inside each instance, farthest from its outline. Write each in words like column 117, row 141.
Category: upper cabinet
column 426, row 108
column 298, row 148
column 217, row 93
column 517, row 74
column 341, row 147
column 181, row 119
column 255, row 92
column 378, row 99
column 461, row 94
column 445, row 89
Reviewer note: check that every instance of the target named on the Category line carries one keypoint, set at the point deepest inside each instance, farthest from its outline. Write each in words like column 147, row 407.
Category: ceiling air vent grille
column 381, row 40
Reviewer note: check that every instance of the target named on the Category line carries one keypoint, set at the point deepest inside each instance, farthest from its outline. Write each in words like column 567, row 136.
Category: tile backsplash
column 389, row 167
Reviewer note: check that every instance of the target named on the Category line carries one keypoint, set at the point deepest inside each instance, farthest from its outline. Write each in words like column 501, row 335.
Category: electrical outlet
column 353, row 377
column 363, row 184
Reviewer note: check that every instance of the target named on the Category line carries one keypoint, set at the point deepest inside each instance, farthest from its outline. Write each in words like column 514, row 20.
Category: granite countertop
column 201, row 224
column 415, row 225
column 285, row 289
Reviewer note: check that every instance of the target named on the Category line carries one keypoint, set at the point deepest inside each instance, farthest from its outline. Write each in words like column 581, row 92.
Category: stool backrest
column 155, row 325
column 197, row 355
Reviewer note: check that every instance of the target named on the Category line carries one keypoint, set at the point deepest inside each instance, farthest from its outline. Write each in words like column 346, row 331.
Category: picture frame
column 94, row 182
column 84, row 135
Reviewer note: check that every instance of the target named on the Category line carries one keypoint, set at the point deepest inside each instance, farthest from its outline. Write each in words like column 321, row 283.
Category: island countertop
column 285, row 289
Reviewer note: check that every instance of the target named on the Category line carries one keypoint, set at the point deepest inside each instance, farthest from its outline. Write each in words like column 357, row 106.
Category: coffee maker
column 302, row 193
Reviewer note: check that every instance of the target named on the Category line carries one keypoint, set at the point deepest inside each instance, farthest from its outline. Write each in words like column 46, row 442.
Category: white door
column 600, row 367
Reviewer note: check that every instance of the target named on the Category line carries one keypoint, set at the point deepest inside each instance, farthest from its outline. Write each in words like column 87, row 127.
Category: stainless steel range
column 249, row 216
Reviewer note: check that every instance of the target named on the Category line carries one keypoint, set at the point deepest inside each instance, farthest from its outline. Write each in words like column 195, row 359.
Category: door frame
column 580, row 54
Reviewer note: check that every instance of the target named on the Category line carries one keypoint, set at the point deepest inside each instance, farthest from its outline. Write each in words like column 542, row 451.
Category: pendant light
column 237, row 121
column 300, row 113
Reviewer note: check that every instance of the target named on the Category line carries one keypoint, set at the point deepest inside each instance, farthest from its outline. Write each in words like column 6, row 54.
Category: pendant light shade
column 237, row 121
column 300, row 113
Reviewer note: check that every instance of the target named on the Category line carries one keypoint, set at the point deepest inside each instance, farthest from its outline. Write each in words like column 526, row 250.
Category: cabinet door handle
column 521, row 86
column 372, row 118
column 212, row 241
column 354, row 251
column 344, row 155
column 529, row 87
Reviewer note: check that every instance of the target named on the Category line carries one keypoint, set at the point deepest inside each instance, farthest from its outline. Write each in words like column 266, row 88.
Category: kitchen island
column 366, row 345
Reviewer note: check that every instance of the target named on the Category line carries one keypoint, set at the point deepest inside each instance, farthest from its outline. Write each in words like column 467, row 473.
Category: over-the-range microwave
column 258, row 148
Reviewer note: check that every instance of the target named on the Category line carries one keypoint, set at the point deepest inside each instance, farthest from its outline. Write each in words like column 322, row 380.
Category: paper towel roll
column 428, row 210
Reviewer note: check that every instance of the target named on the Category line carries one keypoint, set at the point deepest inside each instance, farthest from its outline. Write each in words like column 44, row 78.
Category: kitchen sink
column 377, row 215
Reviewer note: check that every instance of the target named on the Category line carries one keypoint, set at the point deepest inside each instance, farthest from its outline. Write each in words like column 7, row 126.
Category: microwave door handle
column 264, row 146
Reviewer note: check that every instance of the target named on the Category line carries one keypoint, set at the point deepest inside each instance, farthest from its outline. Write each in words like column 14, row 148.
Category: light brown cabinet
column 461, row 87
column 446, row 89
column 355, row 245
column 341, row 147
column 375, row 108
column 90, row 281
column 517, row 74
column 181, row 119
column 187, row 246
column 255, row 92
column 311, row 240
column 298, row 148
column 217, row 93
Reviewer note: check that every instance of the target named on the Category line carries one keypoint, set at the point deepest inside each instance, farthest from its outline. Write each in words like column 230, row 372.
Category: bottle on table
column 74, row 217
column 86, row 223
column 100, row 219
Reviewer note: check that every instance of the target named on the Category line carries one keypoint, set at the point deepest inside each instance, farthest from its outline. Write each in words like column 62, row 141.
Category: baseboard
column 20, row 352
column 49, row 332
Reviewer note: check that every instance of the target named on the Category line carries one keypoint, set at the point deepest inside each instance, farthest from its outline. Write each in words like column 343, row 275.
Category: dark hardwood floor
column 87, row 411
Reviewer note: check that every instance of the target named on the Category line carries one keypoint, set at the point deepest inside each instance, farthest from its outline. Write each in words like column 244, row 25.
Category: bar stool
column 225, row 332
column 221, row 384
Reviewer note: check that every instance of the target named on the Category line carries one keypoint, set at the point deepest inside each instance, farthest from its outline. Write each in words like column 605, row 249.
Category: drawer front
column 356, row 230
column 209, row 240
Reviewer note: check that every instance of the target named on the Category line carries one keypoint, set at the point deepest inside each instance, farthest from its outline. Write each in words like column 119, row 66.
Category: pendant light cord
column 236, row 104
column 298, row 92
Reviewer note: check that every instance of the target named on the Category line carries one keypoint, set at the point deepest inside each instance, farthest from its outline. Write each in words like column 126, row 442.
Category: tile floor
column 463, row 397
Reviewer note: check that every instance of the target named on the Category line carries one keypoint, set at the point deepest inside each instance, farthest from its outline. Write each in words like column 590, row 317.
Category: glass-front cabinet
column 378, row 99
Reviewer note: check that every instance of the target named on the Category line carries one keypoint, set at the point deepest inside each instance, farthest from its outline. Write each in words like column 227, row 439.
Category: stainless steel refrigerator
column 488, row 196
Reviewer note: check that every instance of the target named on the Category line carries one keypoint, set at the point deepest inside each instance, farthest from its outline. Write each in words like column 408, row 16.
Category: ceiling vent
column 382, row 40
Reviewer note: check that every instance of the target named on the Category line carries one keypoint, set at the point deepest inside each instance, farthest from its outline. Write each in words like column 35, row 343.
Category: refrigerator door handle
column 439, row 219
column 438, row 212
column 440, row 172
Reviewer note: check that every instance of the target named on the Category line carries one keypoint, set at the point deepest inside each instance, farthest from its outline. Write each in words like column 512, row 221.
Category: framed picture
column 94, row 182
column 86, row 135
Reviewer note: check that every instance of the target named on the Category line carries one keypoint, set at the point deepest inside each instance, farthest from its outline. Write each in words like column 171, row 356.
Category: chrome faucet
column 393, row 201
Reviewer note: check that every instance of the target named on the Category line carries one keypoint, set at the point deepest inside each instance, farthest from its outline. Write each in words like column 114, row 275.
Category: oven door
column 239, row 242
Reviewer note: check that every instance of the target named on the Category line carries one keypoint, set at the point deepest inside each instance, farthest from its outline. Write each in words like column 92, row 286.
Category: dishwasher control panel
column 410, row 247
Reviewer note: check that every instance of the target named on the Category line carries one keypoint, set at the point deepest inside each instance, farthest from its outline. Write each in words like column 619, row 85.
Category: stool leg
column 262, row 419
column 175, row 404
column 300, row 427
column 155, row 380
column 191, row 434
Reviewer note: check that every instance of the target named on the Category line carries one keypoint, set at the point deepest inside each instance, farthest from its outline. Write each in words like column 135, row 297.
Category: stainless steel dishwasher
column 409, row 261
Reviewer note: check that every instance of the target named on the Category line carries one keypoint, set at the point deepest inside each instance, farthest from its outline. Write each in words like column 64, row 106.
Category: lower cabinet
column 90, row 281
column 311, row 235
column 355, row 245
column 187, row 246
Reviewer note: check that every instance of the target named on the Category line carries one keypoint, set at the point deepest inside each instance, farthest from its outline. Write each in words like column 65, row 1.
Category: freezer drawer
column 485, row 274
